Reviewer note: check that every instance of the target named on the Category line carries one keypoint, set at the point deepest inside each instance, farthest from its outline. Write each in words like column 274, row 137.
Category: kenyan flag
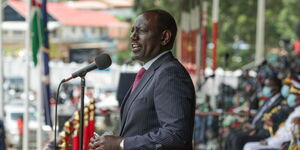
column 40, row 44
column 37, row 31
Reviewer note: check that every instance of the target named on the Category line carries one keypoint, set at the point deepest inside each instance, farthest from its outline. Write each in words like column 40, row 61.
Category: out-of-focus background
column 229, row 47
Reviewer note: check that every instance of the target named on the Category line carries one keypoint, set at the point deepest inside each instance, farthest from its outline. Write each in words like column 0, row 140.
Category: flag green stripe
column 36, row 34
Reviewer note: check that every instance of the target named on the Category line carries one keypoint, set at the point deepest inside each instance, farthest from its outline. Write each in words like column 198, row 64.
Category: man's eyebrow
column 138, row 27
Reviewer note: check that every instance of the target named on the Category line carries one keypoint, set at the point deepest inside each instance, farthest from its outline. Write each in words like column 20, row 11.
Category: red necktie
column 138, row 77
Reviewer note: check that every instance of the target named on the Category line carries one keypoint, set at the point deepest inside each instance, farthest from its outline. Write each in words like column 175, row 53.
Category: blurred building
column 75, row 27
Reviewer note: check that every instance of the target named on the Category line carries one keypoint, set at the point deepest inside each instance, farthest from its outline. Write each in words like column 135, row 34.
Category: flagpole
column 204, row 37
column 45, row 68
column 28, row 48
column 178, row 44
column 215, row 22
column 198, row 50
column 215, row 19
column 260, row 32
column 1, row 65
column 39, row 137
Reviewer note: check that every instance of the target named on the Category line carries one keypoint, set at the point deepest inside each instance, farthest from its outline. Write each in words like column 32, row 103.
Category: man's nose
column 134, row 36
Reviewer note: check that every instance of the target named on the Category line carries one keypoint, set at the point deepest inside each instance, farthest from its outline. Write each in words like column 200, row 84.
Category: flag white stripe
column 260, row 32
column 27, row 76
column 39, row 100
column 40, row 66
column 215, row 13
column 1, row 65
column 204, row 9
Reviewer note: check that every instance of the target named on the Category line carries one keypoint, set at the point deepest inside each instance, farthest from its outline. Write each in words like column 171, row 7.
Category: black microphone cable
column 55, row 115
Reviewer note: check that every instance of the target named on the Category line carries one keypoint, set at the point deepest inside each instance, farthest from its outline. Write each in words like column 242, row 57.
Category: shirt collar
column 150, row 62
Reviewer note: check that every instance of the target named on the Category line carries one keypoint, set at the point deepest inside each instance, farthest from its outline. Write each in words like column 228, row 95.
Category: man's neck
column 150, row 62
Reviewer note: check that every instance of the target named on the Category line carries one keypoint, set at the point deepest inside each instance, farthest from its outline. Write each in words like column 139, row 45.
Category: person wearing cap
column 158, row 110
column 284, row 133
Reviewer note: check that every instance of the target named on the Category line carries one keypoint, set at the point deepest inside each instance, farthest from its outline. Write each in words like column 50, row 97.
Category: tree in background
column 238, row 24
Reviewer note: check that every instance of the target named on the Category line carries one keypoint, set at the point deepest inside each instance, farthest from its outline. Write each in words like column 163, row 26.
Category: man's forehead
column 146, row 19
column 150, row 15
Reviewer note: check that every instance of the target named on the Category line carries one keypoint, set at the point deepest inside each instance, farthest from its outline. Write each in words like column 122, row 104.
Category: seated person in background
column 284, row 132
column 294, row 144
column 254, row 131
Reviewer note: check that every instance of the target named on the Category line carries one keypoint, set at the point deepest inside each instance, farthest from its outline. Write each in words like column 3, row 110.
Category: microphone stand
column 200, row 85
column 81, row 134
column 82, row 84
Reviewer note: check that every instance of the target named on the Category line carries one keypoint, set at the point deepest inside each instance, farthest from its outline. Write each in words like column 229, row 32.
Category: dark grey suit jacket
column 159, row 113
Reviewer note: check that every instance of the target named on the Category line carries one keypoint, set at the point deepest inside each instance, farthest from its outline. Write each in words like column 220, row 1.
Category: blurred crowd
column 262, row 113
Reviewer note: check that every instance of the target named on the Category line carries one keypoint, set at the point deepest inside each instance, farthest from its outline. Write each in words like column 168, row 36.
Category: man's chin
column 137, row 58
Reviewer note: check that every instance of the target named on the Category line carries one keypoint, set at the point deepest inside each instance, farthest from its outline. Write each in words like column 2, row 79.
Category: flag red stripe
column 35, row 3
column 214, row 40
column 204, row 47
column 86, row 138
column 76, row 143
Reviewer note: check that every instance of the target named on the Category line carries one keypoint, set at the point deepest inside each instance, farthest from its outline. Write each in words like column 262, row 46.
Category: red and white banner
column 190, row 29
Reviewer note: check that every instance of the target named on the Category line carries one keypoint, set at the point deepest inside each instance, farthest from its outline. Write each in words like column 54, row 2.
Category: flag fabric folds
column 38, row 35
column 92, row 119
column 40, row 44
column 190, row 31
column 70, row 135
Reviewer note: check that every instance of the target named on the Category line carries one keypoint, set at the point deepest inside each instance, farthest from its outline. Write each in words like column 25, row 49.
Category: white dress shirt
column 282, row 135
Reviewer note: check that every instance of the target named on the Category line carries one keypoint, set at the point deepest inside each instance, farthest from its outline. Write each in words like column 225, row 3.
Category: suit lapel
column 124, row 101
column 147, row 76
column 131, row 97
column 122, row 110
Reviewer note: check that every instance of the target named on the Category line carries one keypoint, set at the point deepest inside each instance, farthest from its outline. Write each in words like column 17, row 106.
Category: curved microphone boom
column 102, row 61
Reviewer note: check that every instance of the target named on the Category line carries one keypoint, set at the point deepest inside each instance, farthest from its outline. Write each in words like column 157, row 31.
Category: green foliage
column 122, row 56
column 288, row 18
column 237, row 21
column 172, row 6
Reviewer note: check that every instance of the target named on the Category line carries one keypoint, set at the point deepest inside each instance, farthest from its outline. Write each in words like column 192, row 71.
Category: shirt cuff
column 122, row 145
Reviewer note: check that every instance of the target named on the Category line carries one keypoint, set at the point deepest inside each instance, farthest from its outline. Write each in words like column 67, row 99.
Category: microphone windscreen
column 103, row 61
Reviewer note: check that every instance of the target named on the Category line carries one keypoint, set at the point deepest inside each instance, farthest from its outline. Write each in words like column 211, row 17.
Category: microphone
column 211, row 76
column 207, row 77
column 102, row 61
column 199, row 85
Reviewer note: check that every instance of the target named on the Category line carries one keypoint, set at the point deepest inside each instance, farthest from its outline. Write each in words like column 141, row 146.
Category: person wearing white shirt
column 284, row 133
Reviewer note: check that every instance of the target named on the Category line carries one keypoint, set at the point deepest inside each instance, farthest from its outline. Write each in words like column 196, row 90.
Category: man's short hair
column 165, row 21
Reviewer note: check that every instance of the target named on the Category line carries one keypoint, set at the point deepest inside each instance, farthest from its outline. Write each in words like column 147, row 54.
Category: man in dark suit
column 158, row 111
column 255, row 131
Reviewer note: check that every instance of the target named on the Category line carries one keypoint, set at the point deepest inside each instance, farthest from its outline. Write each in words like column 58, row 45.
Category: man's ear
column 165, row 37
